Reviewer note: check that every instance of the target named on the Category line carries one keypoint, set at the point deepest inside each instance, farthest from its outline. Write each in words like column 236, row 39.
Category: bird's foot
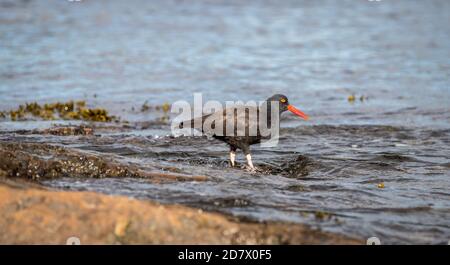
column 251, row 169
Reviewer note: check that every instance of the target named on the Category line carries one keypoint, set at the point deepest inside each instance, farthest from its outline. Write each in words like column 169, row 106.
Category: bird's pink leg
column 232, row 157
column 249, row 161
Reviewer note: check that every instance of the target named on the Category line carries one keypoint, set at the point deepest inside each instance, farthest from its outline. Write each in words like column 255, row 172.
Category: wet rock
column 41, row 161
column 36, row 216
column 70, row 130
column 393, row 157
column 297, row 168
column 59, row 130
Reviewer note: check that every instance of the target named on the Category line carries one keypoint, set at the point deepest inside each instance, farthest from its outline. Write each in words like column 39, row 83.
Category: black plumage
column 245, row 121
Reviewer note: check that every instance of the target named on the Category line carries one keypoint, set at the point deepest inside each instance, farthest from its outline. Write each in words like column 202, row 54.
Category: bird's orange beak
column 297, row 112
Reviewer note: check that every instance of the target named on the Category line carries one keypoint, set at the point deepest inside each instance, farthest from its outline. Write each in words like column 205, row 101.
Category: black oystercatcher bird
column 241, row 117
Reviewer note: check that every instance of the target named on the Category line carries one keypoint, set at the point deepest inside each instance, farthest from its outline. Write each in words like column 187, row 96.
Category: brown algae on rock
column 351, row 98
column 71, row 110
column 164, row 107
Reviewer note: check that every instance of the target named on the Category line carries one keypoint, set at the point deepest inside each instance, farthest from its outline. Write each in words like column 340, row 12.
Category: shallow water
column 119, row 55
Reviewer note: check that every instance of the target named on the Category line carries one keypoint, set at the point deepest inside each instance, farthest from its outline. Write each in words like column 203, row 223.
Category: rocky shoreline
column 35, row 214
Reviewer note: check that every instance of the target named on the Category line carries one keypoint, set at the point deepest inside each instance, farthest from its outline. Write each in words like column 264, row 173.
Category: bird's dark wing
column 241, row 121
